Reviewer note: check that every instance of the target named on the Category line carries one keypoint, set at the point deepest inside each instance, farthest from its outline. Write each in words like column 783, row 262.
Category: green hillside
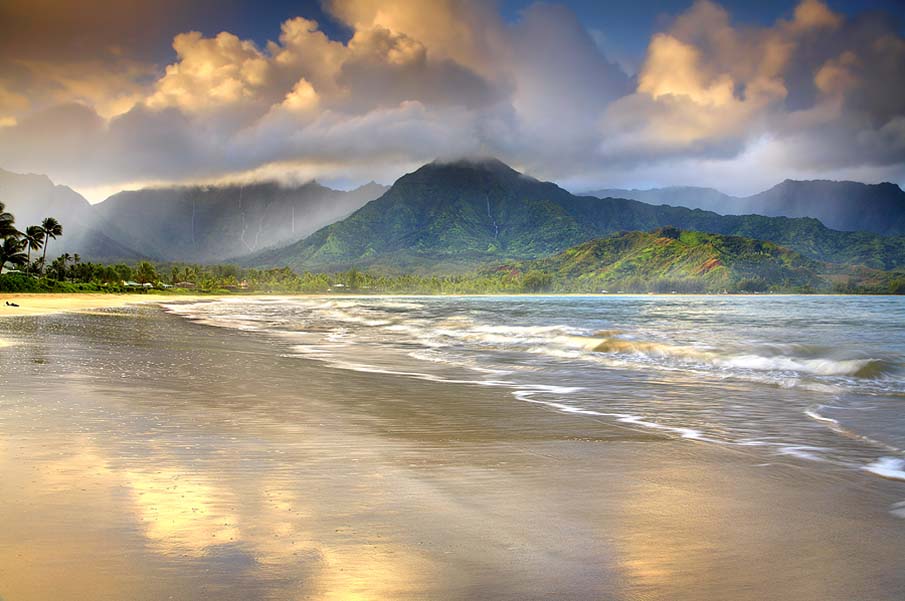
column 455, row 216
column 669, row 259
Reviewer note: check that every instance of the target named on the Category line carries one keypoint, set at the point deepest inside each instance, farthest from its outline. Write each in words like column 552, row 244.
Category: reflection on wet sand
column 77, row 513
column 182, row 514
column 701, row 534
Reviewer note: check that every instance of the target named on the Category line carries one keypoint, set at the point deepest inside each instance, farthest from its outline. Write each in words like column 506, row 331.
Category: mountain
column 190, row 224
column 692, row 197
column 849, row 206
column 846, row 206
column 31, row 198
column 455, row 215
column 669, row 259
column 213, row 223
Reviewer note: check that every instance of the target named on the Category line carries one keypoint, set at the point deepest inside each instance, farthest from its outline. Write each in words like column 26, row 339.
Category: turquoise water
column 815, row 379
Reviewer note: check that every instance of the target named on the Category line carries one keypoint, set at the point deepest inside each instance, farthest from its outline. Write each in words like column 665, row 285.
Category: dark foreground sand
column 145, row 458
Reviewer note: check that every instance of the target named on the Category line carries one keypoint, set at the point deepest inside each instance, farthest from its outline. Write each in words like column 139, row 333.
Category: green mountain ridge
column 459, row 215
column 669, row 259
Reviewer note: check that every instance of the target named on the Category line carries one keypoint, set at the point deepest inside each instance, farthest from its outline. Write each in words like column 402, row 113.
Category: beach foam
column 818, row 367
column 891, row 468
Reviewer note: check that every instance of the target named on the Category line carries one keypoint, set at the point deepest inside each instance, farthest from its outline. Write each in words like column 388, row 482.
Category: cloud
column 212, row 73
column 814, row 83
column 100, row 53
column 418, row 80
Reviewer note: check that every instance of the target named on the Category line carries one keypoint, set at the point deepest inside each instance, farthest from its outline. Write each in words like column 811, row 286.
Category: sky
column 107, row 95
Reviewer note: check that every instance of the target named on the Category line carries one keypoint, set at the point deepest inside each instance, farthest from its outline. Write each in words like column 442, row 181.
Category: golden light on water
column 180, row 516
column 181, row 513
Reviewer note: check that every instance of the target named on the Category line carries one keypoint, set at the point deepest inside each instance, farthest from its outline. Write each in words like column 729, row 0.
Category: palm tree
column 52, row 229
column 64, row 258
column 34, row 240
column 145, row 273
column 6, row 223
column 11, row 252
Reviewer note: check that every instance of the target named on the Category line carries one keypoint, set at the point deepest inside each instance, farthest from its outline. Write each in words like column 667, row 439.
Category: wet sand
column 145, row 457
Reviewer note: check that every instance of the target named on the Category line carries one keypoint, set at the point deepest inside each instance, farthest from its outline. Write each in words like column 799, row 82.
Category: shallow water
column 818, row 377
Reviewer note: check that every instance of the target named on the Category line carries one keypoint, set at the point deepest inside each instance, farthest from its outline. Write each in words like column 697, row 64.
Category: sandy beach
column 148, row 457
column 43, row 304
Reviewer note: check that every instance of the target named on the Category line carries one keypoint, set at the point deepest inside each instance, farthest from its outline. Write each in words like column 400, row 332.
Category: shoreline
column 150, row 456
column 47, row 303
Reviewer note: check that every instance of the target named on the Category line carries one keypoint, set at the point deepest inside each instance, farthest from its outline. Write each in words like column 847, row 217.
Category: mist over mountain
column 842, row 205
column 213, row 223
column 850, row 206
column 31, row 198
column 458, row 214
column 190, row 224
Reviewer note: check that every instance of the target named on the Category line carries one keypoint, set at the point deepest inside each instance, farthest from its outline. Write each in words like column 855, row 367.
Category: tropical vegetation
column 456, row 217
column 666, row 259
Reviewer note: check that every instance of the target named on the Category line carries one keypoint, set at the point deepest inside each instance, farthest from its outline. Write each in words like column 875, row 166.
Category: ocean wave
column 744, row 362
column 858, row 368
column 787, row 365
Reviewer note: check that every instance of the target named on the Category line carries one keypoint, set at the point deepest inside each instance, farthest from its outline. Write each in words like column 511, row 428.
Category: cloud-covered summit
column 714, row 101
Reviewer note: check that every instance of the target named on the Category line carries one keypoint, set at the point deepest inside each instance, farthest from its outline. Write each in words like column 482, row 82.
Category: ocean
column 820, row 378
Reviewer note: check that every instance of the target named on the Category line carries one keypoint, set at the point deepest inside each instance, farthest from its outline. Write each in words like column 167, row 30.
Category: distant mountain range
column 453, row 216
column 208, row 224
column 846, row 206
column 187, row 224
column 31, row 198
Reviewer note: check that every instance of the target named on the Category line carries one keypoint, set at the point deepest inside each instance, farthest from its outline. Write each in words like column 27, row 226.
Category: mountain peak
column 490, row 164
column 371, row 187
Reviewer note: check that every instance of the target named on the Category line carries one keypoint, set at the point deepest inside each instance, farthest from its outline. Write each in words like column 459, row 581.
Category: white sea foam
column 434, row 356
column 813, row 413
column 891, row 468
column 636, row 420
column 803, row 452
column 819, row 367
